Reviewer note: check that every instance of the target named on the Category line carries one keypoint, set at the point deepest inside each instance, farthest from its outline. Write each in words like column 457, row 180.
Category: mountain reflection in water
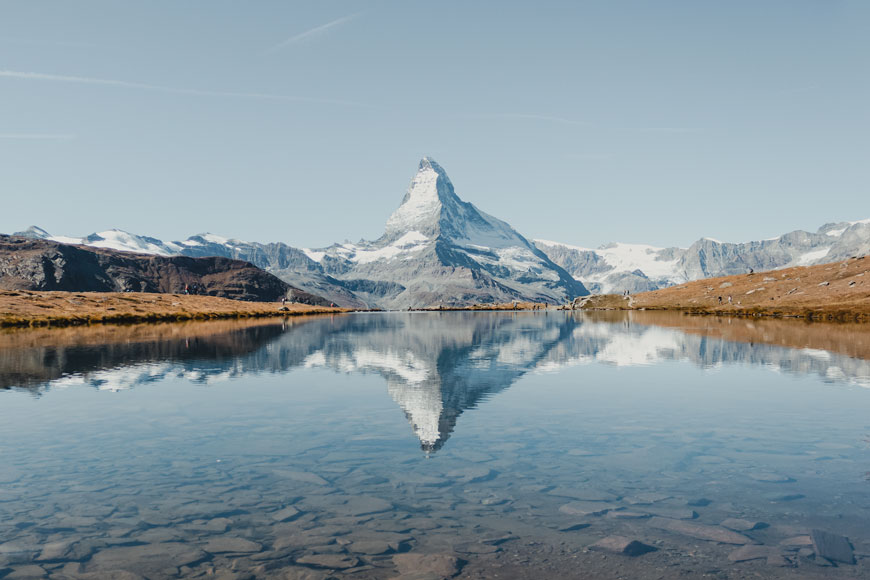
column 436, row 365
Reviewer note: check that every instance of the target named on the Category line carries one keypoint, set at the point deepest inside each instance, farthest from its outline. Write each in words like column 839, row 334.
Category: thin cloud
column 311, row 33
column 535, row 117
column 165, row 89
column 38, row 136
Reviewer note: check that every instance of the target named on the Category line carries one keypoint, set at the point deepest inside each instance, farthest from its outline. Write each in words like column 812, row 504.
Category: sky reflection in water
column 714, row 418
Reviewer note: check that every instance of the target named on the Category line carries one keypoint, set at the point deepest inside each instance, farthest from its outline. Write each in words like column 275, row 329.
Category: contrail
column 165, row 89
column 303, row 36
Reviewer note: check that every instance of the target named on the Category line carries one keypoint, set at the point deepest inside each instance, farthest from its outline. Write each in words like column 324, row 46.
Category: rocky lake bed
column 291, row 470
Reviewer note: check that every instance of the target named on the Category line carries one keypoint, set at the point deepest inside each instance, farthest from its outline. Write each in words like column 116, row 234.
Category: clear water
column 506, row 443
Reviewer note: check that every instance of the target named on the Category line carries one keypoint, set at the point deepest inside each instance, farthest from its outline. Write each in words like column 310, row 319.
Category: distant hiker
column 186, row 289
column 751, row 271
column 283, row 301
column 729, row 299
column 720, row 300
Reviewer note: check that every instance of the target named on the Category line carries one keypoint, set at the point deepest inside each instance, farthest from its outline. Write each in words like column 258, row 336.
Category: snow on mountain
column 127, row 242
column 423, row 202
column 638, row 268
column 439, row 250
column 111, row 239
column 33, row 232
column 436, row 250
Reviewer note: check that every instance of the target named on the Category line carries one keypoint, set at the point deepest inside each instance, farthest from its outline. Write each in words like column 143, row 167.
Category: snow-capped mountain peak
column 420, row 209
column 33, row 232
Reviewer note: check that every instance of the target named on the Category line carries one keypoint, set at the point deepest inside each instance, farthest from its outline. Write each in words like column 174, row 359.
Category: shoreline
column 26, row 309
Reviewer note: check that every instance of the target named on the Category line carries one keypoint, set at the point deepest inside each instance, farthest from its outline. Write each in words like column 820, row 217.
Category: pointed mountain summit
column 432, row 208
column 438, row 250
column 430, row 191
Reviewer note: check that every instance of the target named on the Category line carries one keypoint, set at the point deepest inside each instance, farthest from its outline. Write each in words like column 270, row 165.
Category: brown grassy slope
column 24, row 308
column 839, row 290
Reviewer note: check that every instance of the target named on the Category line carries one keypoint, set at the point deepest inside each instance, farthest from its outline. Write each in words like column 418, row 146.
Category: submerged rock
column 331, row 561
column 421, row 565
column 700, row 531
column 752, row 552
column 146, row 559
column 286, row 514
column 621, row 545
column 741, row 525
column 833, row 547
column 223, row 545
column 586, row 508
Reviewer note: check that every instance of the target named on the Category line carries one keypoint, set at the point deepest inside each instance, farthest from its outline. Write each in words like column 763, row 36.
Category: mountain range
column 639, row 268
column 438, row 250
column 45, row 265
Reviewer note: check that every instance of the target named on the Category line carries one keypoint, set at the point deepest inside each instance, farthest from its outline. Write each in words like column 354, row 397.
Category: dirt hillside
column 839, row 290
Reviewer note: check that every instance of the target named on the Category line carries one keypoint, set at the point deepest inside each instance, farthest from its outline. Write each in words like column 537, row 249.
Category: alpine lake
column 525, row 445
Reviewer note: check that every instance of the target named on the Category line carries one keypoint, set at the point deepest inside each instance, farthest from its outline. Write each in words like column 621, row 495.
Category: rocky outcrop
column 39, row 264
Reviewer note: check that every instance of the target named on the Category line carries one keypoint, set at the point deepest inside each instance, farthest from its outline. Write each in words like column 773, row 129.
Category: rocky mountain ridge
column 41, row 264
column 439, row 250
column 640, row 268
column 436, row 250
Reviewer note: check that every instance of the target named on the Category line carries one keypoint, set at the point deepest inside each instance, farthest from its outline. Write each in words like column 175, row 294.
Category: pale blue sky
column 584, row 122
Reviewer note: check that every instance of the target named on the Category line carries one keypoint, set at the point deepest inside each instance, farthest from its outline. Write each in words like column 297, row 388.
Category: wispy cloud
column 311, row 33
column 38, row 136
column 537, row 117
column 35, row 76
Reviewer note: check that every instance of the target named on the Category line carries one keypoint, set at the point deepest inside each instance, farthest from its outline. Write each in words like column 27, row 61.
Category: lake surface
column 497, row 444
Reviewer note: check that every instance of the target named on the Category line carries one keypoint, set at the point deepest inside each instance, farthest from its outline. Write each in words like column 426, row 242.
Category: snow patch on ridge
column 313, row 254
column 122, row 241
column 561, row 245
column 630, row 257
column 810, row 257
column 409, row 243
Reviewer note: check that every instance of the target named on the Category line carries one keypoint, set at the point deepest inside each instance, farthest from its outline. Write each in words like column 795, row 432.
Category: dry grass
column 23, row 308
column 836, row 291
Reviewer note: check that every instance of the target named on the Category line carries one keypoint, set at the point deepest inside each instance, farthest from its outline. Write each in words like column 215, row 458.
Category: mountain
column 436, row 250
column 440, row 250
column 43, row 264
column 286, row 262
column 639, row 268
